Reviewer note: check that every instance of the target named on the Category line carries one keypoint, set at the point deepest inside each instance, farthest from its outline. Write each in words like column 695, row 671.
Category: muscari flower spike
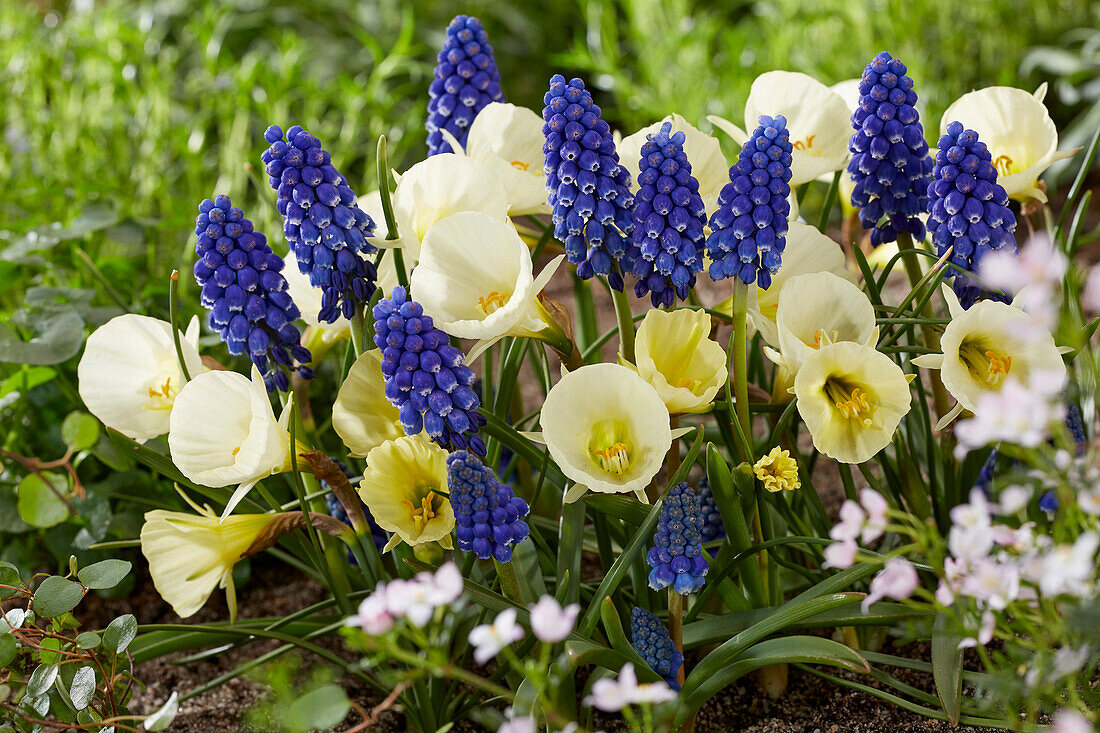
column 713, row 528
column 587, row 189
column 488, row 517
column 426, row 378
column 245, row 291
column 654, row 645
column 466, row 81
column 749, row 229
column 669, row 217
column 969, row 209
column 890, row 165
column 1076, row 426
column 321, row 220
column 677, row 555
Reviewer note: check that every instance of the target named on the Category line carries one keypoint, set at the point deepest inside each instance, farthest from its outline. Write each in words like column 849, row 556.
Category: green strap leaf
column 947, row 660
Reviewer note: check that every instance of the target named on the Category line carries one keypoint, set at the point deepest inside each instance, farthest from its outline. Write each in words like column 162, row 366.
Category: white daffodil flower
column 852, row 399
column 819, row 120
column 223, row 432
column 816, row 310
column 308, row 300
column 985, row 344
column 704, row 152
column 1017, row 129
column 675, row 354
column 509, row 139
column 129, row 376
column 807, row 251
column 405, row 487
column 475, row 281
column 362, row 415
column 607, row 429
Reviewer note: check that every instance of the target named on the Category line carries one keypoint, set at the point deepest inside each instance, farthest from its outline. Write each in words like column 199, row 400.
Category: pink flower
column 1071, row 721
column 840, row 554
column 985, row 632
column 374, row 616
column 851, row 522
column 875, row 506
column 897, row 580
column 1091, row 296
column 490, row 639
column 550, row 622
column 522, row 724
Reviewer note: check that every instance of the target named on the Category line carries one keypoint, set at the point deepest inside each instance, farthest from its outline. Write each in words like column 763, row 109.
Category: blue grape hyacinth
column 677, row 555
column 426, row 378
column 713, row 528
column 669, row 218
column 587, row 189
column 488, row 517
column 969, row 211
column 244, row 289
column 890, row 165
column 749, row 229
column 323, row 224
column 466, row 81
column 654, row 644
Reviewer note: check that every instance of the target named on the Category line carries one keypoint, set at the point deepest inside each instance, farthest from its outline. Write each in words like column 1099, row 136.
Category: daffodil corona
column 852, row 399
column 677, row 357
column 405, row 487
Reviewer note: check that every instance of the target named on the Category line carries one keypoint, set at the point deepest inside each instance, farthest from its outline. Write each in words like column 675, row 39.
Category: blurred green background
column 119, row 116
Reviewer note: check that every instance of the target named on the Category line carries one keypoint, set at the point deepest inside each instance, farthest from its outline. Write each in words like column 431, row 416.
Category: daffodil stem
column 740, row 375
column 173, row 314
column 931, row 337
column 673, row 457
column 387, row 211
column 357, row 331
column 676, row 627
column 509, row 583
column 626, row 324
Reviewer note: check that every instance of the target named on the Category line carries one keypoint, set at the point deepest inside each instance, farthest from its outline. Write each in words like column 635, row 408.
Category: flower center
column 804, row 145
column 986, row 365
column 818, row 335
column 689, row 384
column 161, row 398
column 520, row 165
column 615, row 458
column 493, row 302
column 1003, row 164
column 852, row 402
column 422, row 514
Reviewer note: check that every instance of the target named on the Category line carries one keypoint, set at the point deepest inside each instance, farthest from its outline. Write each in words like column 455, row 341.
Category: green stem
column 829, row 198
column 357, row 330
column 676, row 627
column 740, row 364
column 509, row 583
column 626, row 324
column 387, row 211
column 173, row 311
column 931, row 337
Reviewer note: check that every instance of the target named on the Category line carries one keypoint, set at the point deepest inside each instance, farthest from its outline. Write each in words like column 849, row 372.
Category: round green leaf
column 56, row 596
column 41, row 680
column 88, row 640
column 13, row 619
column 83, row 687
column 49, row 653
column 323, row 708
column 119, row 633
column 80, row 431
column 104, row 574
column 9, row 580
column 8, row 649
column 38, row 504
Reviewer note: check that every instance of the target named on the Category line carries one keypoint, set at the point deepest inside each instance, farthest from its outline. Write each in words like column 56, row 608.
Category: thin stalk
column 676, row 627
column 173, row 311
column 509, row 583
column 739, row 346
column 829, row 198
column 931, row 336
column 387, row 212
column 626, row 324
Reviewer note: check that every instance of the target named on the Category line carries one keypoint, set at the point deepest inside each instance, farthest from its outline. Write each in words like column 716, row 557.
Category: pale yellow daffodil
column 1017, row 129
column 509, row 139
column 362, row 415
column 405, row 488
column 852, row 399
column 677, row 357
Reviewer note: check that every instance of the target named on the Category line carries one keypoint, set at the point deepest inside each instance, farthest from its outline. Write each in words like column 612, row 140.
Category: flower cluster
column 969, row 211
column 669, row 217
column 246, row 293
column 713, row 528
column 323, row 224
column 466, row 80
column 890, row 165
column 654, row 645
column 426, row 378
column 677, row 555
column 750, row 225
column 416, row 600
column 488, row 518
column 587, row 188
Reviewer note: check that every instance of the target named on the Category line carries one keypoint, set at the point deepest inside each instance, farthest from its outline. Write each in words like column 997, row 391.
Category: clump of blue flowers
column 466, row 81
column 713, row 528
column 323, row 224
column 890, row 164
column 488, row 517
column 244, row 289
column 669, row 217
column 587, row 188
column 654, row 644
column 749, row 229
column 969, row 209
column 426, row 378
column 677, row 555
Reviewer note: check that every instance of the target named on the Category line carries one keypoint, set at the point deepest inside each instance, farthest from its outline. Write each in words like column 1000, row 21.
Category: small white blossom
column 490, row 639
column 1071, row 721
column 612, row 695
column 897, row 580
column 550, row 622
column 993, row 584
column 1068, row 569
column 1091, row 296
column 840, row 554
column 1013, row 499
column 522, row 724
column 985, row 632
column 1016, row 413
